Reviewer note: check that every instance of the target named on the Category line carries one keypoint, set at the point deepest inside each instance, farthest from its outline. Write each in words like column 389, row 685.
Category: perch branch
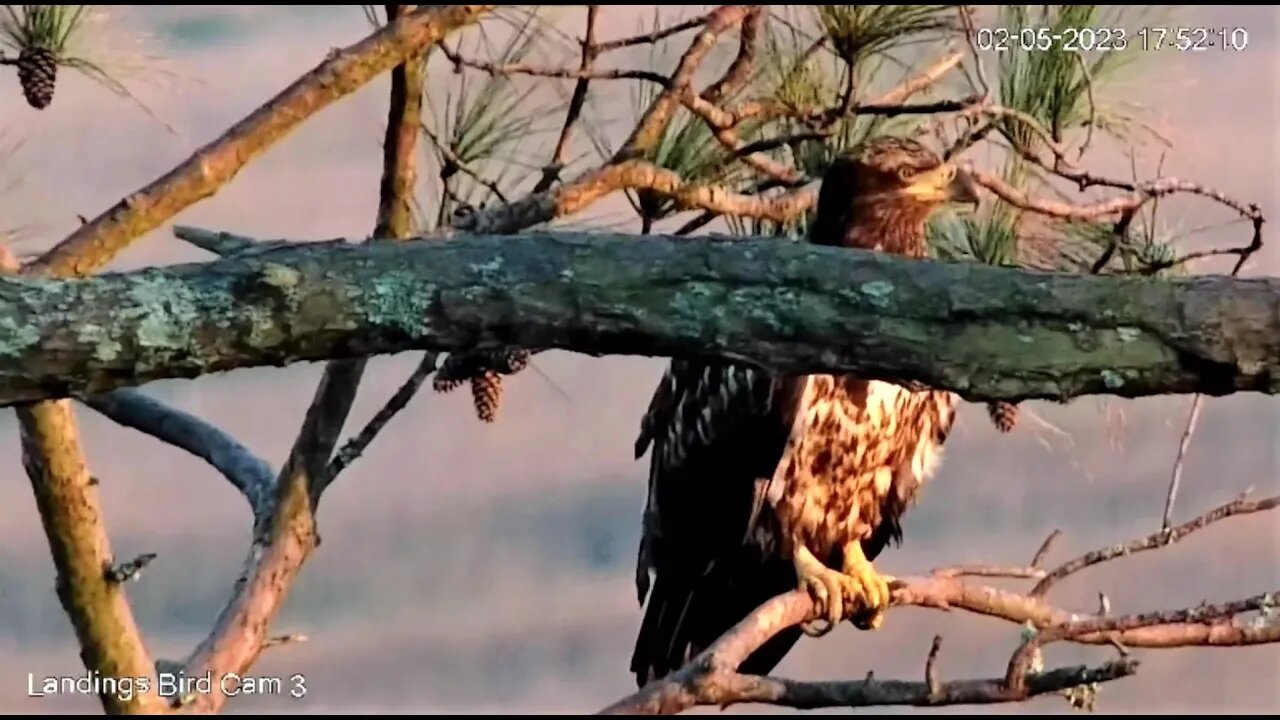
column 251, row 475
column 793, row 307
column 712, row 678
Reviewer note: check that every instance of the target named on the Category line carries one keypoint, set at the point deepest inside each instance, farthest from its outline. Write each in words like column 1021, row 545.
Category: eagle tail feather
column 688, row 612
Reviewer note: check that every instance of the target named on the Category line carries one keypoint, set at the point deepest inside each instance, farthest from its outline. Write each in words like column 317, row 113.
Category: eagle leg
column 874, row 585
column 838, row 595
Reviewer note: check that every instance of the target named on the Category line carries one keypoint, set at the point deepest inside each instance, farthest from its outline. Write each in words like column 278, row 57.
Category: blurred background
column 477, row 568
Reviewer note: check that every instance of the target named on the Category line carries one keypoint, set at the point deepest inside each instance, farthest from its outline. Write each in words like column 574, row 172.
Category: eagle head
column 878, row 196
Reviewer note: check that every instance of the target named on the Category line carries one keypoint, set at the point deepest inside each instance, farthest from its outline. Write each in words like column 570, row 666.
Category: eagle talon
column 836, row 595
column 874, row 585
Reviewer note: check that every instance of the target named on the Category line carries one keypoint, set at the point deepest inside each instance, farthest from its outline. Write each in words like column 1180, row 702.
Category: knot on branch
column 132, row 570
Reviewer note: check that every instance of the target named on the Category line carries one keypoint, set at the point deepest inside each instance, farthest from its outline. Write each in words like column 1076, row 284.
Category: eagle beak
column 946, row 183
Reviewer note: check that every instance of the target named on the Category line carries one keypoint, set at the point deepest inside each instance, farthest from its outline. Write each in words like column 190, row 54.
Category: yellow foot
column 875, row 588
column 839, row 595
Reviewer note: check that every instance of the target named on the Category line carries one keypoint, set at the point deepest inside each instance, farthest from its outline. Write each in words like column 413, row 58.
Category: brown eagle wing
column 714, row 429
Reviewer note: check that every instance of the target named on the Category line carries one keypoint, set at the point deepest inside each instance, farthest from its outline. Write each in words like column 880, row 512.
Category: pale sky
column 487, row 568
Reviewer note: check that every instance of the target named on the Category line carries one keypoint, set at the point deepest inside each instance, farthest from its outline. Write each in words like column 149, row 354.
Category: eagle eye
column 905, row 174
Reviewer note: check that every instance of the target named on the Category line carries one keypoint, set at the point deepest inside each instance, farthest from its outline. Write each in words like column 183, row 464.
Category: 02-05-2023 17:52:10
column 1113, row 39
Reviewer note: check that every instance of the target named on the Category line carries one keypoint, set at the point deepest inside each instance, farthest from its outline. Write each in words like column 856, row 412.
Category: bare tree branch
column 92, row 245
column 251, row 475
column 794, row 307
column 546, row 71
column 71, row 514
column 711, row 678
column 283, row 542
column 1175, row 478
column 1045, row 548
column 658, row 115
column 560, row 156
column 726, row 689
column 356, row 445
column 336, row 392
column 70, row 508
column 1240, row 506
column 591, row 187
column 655, row 36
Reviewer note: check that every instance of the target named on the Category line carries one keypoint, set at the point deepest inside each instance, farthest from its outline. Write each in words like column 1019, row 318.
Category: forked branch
column 711, row 678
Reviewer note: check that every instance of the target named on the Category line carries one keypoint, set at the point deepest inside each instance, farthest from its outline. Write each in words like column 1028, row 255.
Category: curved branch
column 251, row 475
column 711, row 678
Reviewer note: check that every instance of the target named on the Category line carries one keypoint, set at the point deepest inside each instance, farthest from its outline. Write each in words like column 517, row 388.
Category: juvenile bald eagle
column 763, row 483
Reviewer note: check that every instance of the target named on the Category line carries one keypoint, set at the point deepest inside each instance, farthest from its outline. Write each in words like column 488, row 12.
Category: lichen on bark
column 988, row 333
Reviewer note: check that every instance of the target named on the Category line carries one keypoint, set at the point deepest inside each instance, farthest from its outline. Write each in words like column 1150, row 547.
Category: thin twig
column 931, row 670
column 496, row 69
column 966, row 19
column 1143, row 193
column 1176, row 478
column 656, row 36
column 1093, row 105
column 1240, row 506
column 1038, row 561
column 920, row 81
column 284, row 640
column 993, row 571
column 560, row 156
column 356, row 446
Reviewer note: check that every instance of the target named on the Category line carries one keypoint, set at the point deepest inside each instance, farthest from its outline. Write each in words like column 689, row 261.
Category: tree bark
column 984, row 332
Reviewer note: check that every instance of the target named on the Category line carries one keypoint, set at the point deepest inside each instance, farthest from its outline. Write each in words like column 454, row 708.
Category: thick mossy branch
column 982, row 331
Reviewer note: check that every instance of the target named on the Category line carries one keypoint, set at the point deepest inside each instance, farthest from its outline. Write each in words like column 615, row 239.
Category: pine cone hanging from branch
column 1004, row 415
column 38, row 75
column 486, row 395
column 484, row 370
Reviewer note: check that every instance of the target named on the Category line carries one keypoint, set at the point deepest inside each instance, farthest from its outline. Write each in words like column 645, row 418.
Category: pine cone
column 486, row 393
column 1004, row 415
column 38, row 74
